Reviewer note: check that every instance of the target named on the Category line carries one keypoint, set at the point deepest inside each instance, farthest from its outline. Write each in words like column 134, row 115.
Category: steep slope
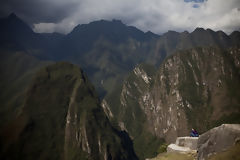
column 105, row 50
column 13, row 30
column 196, row 88
column 16, row 69
column 130, row 113
column 235, row 37
column 62, row 119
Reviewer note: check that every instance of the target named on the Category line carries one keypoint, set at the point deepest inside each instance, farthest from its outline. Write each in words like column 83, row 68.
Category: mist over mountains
column 142, row 82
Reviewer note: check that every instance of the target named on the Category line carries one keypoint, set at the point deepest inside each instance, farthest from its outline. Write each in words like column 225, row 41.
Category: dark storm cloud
column 39, row 11
column 157, row 16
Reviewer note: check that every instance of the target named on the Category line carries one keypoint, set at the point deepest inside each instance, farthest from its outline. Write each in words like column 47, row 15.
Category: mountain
column 196, row 88
column 62, row 119
column 115, row 31
column 13, row 30
column 110, row 52
column 17, row 69
column 172, row 41
column 17, row 35
column 107, row 50
column 235, row 36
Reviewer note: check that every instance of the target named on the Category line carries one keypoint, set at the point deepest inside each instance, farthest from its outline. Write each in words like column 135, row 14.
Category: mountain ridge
column 62, row 119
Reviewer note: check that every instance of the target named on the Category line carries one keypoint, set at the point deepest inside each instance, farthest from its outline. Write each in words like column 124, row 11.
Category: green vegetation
column 192, row 92
column 61, row 110
column 162, row 148
column 146, row 145
column 175, row 156
column 165, row 72
column 17, row 70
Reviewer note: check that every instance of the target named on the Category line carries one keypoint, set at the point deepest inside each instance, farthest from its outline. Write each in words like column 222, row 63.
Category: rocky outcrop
column 217, row 140
column 184, row 145
column 62, row 119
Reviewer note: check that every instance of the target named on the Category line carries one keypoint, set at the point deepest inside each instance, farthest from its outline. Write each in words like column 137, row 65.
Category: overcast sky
column 158, row 16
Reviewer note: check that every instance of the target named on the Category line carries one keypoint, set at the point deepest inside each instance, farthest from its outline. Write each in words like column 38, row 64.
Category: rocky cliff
column 196, row 88
column 62, row 119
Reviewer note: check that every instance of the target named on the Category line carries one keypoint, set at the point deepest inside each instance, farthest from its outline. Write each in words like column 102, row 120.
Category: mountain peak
column 199, row 29
column 114, row 30
column 171, row 33
column 15, row 23
column 117, row 21
column 185, row 32
column 151, row 34
column 12, row 16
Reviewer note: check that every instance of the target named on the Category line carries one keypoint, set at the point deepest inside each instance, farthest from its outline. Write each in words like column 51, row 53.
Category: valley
column 111, row 91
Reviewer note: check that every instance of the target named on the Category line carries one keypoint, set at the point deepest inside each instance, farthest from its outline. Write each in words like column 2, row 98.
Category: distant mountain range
column 126, row 67
column 101, row 45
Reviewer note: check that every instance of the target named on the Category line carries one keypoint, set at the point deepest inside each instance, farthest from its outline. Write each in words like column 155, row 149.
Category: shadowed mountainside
column 62, row 119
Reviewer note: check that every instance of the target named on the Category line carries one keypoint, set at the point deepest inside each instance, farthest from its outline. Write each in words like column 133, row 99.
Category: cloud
column 39, row 11
column 157, row 16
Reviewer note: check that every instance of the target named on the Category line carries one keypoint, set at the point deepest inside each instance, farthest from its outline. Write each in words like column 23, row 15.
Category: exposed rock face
column 134, row 104
column 217, row 140
column 197, row 88
column 192, row 89
column 62, row 119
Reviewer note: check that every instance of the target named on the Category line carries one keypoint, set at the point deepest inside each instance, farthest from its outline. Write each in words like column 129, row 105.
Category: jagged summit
column 171, row 33
column 185, row 32
column 114, row 30
column 117, row 21
column 199, row 29
column 13, row 23
column 13, row 19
